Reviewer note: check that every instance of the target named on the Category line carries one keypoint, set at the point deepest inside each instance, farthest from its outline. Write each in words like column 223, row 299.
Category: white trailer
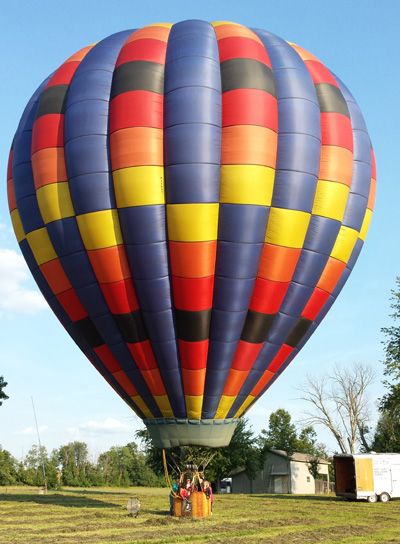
column 368, row 476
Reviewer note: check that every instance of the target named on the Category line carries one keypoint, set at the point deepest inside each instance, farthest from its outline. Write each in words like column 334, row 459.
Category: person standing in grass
column 209, row 494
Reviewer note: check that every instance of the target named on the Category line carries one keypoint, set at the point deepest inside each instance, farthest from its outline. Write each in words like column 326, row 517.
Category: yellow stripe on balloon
column 100, row 229
column 246, row 184
column 194, row 405
column 246, row 403
column 344, row 244
column 139, row 186
column 192, row 222
column 55, row 202
column 330, row 199
column 41, row 246
column 142, row 406
column 365, row 225
column 17, row 226
column 164, row 405
column 224, row 406
column 287, row 228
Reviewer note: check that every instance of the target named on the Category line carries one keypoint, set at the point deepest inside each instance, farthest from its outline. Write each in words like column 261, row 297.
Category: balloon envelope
column 191, row 199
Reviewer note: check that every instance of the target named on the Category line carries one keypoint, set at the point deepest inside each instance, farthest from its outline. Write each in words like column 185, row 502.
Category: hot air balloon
column 190, row 199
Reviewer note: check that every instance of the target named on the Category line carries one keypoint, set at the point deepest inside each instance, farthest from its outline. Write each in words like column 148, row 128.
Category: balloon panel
column 191, row 199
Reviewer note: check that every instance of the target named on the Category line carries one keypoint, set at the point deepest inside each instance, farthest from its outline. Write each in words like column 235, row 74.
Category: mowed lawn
column 99, row 516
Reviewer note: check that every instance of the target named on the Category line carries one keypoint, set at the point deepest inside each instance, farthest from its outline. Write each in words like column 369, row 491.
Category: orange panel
column 136, row 146
column 234, row 382
column 249, row 144
column 110, row 264
column 55, row 276
column 48, row 166
column 80, row 54
column 305, row 55
column 154, row 381
column 193, row 381
column 278, row 263
column 230, row 29
column 155, row 32
column 125, row 382
column 262, row 382
column 193, row 259
column 336, row 164
column 331, row 274
column 372, row 193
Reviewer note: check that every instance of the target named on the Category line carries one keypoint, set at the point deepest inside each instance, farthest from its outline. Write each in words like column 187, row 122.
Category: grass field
column 77, row 516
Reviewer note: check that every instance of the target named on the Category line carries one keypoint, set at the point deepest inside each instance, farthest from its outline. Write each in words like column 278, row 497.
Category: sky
column 358, row 41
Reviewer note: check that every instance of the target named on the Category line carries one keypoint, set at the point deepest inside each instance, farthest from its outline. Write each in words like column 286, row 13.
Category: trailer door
column 395, row 470
column 364, row 475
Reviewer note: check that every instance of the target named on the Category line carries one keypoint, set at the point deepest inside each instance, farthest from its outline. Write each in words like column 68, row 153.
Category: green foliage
column 3, row 396
column 387, row 434
column 8, row 468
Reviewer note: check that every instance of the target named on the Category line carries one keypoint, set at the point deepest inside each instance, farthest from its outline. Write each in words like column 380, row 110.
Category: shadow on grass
column 58, row 499
column 93, row 492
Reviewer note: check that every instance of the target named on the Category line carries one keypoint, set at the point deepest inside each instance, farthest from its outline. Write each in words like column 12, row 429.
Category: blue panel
column 42, row 283
column 321, row 234
column 104, row 54
column 357, row 120
column 309, row 267
column 23, row 180
column 226, row 326
column 59, row 311
column 78, row 269
column 65, row 236
column 166, row 355
column 242, row 223
column 281, row 54
column 294, row 190
column 143, row 224
column 92, row 193
column 153, row 295
column 361, row 180
column 160, row 325
column 299, row 152
column 91, row 297
column 192, row 105
column 325, row 309
column 192, row 183
column 220, row 355
column 355, row 211
column 354, row 254
column 172, row 380
column 283, row 324
column 362, row 147
column 108, row 329
column 29, row 213
column 293, row 83
column 86, row 117
column 28, row 255
column 265, row 357
column 86, row 155
column 192, row 71
column 232, row 295
column 192, row 143
column 342, row 280
column 238, row 260
column 296, row 298
column 89, row 86
column 22, row 146
column 148, row 261
column 296, row 115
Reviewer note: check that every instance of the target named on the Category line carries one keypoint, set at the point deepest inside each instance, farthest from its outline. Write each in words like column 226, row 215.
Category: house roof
column 300, row 457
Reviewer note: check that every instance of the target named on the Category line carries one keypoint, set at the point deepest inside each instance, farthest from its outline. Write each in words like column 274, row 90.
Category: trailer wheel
column 372, row 498
column 384, row 497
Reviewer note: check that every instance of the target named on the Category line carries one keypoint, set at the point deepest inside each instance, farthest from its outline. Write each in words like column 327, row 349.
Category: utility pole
column 40, row 448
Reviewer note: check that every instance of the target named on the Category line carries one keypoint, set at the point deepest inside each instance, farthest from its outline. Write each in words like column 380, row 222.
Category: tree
column 75, row 465
column 387, row 434
column 341, row 403
column 3, row 396
column 281, row 433
column 8, row 468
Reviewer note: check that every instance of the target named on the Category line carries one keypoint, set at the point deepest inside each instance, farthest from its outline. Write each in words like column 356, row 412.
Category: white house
column 281, row 474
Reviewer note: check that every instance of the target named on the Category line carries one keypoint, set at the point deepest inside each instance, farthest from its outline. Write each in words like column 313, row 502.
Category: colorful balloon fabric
column 191, row 199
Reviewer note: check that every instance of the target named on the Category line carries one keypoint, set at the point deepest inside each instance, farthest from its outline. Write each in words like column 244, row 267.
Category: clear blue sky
column 357, row 40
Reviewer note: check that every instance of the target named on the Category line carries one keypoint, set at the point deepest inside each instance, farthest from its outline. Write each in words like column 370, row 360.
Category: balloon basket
column 198, row 506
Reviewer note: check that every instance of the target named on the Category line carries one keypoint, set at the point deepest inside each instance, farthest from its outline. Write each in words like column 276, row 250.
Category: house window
column 308, row 479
